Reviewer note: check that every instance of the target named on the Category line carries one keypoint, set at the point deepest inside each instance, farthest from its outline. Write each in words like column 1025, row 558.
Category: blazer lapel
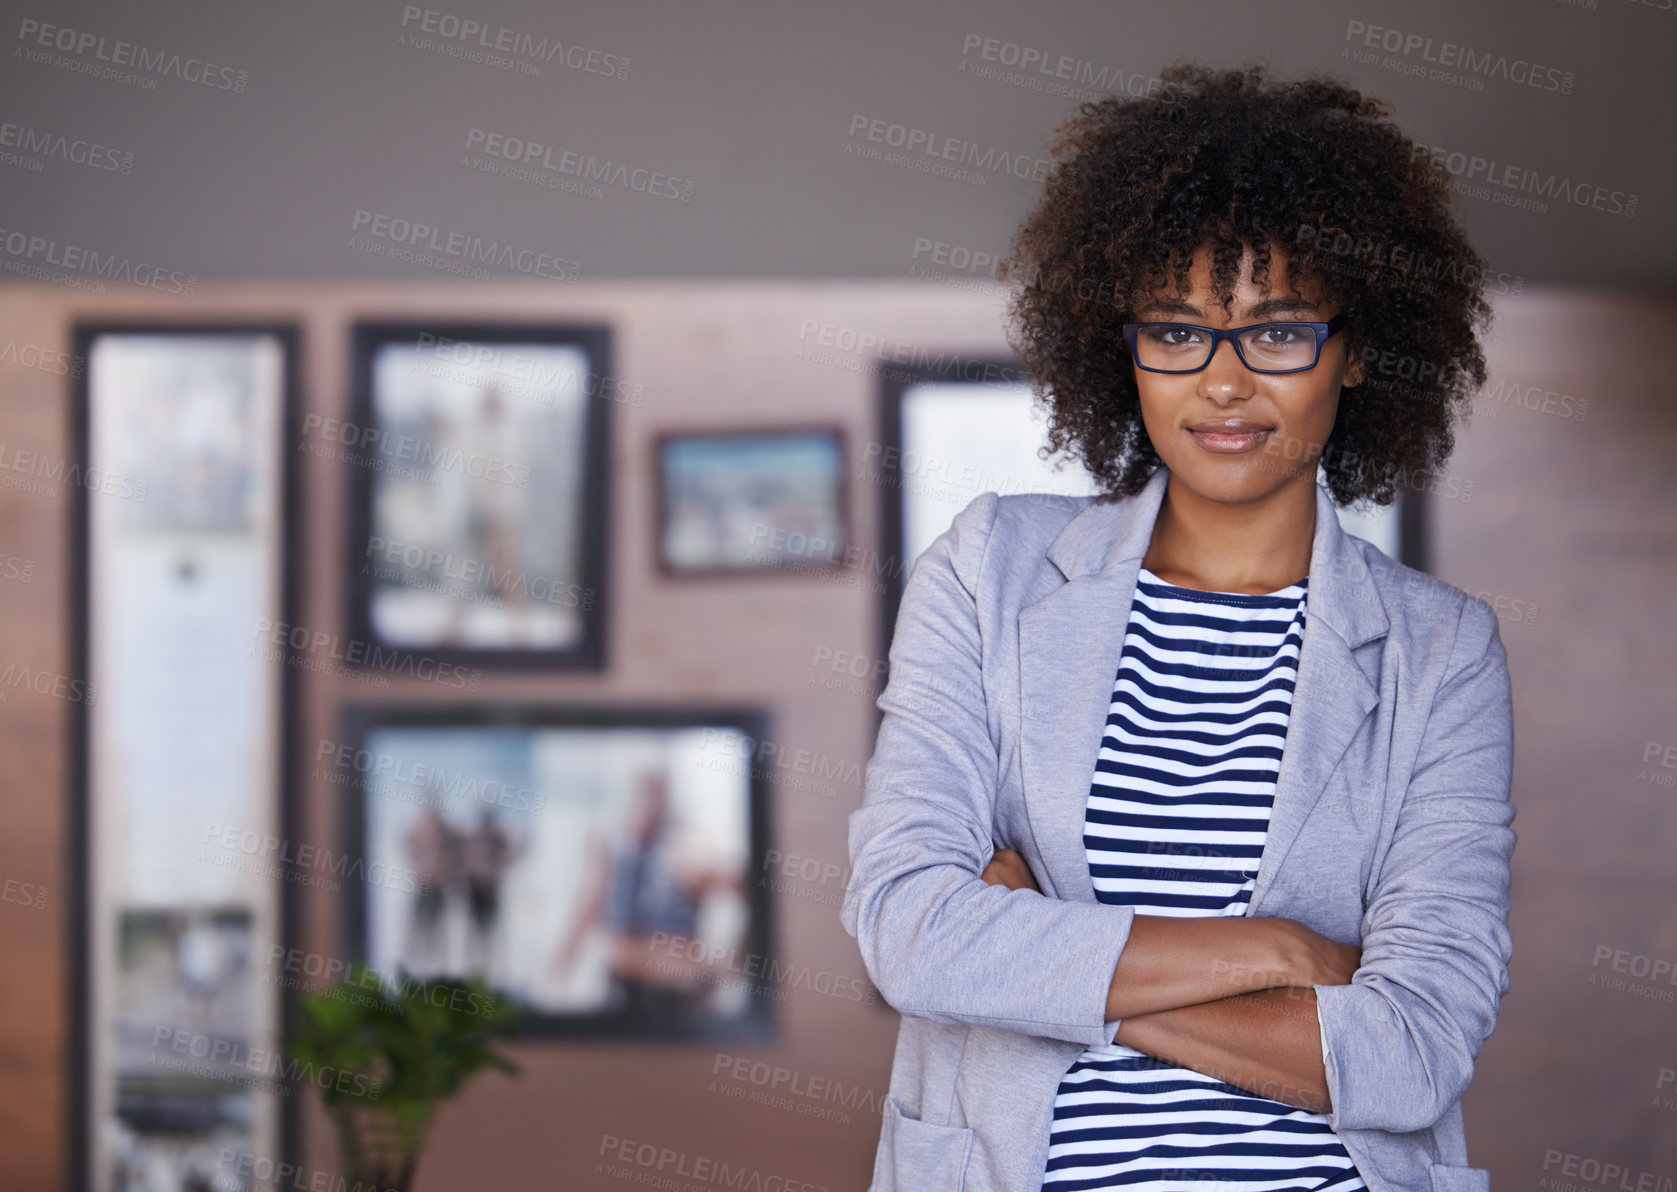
column 1070, row 642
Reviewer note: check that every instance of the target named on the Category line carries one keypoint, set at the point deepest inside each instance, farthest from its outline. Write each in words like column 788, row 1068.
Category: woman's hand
column 1312, row 958
column 1008, row 868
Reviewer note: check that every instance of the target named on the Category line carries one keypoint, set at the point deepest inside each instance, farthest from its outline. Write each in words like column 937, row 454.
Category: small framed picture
column 594, row 865
column 751, row 501
column 479, row 512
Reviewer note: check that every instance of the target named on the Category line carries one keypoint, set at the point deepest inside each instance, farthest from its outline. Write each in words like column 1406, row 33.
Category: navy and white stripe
column 1175, row 825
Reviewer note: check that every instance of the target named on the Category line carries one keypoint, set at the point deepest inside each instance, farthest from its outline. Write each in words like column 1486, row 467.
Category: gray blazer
column 1390, row 829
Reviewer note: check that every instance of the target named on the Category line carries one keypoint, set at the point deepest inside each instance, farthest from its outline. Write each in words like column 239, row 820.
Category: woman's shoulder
column 1018, row 526
column 1020, row 517
column 1424, row 611
column 1026, row 514
column 998, row 543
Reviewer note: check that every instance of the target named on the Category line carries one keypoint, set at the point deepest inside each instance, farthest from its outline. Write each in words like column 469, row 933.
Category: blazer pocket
column 917, row 1156
column 1449, row 1178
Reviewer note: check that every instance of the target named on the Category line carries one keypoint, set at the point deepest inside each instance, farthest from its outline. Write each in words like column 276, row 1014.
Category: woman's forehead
column 1198, row 281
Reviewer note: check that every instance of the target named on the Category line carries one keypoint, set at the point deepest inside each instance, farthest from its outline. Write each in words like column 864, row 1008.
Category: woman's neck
column 1219, row 546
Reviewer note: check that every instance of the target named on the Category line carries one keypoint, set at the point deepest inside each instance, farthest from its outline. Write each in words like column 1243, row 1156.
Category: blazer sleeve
column 936, row 939
column 1400, row 1040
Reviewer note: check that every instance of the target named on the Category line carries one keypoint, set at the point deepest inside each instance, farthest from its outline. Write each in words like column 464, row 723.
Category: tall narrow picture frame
column 599, row 867
column 479, row 498
column 183, row 514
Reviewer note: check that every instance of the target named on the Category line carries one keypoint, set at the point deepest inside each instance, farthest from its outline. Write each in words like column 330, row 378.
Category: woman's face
column 1278, row 421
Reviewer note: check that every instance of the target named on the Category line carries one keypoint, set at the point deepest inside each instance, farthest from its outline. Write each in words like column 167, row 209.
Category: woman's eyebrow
column 1269, row 306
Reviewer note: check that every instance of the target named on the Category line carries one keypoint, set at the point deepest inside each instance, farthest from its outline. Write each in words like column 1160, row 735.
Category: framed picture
column 183, row 547
column 479, row 511
column 183, row 1085
column 593, row 865
column 944, row 442
column 751, row 501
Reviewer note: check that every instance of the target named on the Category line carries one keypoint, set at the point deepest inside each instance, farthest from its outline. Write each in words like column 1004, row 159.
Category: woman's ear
column 1353, row 372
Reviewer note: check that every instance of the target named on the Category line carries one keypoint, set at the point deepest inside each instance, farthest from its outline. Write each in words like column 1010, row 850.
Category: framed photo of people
column 751, row 501
column 596, row 866
column 479, row 519
column 944, row 441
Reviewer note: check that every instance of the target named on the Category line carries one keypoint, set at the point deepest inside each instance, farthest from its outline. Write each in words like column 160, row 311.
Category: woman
column 1079, row 799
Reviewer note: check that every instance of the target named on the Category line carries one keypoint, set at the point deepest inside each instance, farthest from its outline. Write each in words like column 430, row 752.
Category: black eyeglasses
column 1262, row 347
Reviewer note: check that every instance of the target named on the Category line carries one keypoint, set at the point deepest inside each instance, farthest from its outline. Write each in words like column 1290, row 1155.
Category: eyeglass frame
column 1219, row 334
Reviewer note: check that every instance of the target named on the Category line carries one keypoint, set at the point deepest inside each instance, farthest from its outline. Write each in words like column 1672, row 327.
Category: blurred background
column 457, row 467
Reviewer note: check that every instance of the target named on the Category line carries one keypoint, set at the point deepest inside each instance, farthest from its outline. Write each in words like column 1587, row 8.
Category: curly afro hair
column 1225, row 159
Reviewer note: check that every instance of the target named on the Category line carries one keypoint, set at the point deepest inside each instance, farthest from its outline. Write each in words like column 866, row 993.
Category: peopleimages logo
column 537, row 155
column 42, row 143
column 272, row 636
column 466, row 249
column 470, row 38
column 51, row 468
column 339, row 975
column 224, row 1053
column 472, row 357
column 283, row 857
column 944, row 149
column 1511, row 185
column 27, row 249
column 290, row 1175
column 80, row 43
column 1457, row 58
column 470, row 574
column 47, row 360
column 431, row 458
column 388, row 768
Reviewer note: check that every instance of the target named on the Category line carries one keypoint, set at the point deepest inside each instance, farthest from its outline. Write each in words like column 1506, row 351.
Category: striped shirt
column 1175, row 825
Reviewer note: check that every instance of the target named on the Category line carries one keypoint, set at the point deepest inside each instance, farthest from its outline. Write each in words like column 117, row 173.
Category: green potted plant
column 386, row 1057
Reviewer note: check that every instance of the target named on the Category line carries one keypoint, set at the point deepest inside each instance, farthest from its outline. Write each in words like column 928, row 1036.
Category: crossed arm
column 1229, row 997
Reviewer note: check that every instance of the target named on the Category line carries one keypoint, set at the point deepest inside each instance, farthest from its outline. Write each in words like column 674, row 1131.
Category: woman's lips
column 1228, row 442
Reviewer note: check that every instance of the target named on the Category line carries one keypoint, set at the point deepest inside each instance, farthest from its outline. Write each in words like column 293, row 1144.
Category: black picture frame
column 80, row 1148
column 589, row 590
column 893, row 382
column 759, row 1021
column 831, row 554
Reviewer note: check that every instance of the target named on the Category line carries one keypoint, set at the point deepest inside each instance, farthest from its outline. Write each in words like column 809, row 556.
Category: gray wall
column 318, row 110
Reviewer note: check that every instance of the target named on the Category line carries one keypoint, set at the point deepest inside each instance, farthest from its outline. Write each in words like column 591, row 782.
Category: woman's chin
column 1232, row 480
